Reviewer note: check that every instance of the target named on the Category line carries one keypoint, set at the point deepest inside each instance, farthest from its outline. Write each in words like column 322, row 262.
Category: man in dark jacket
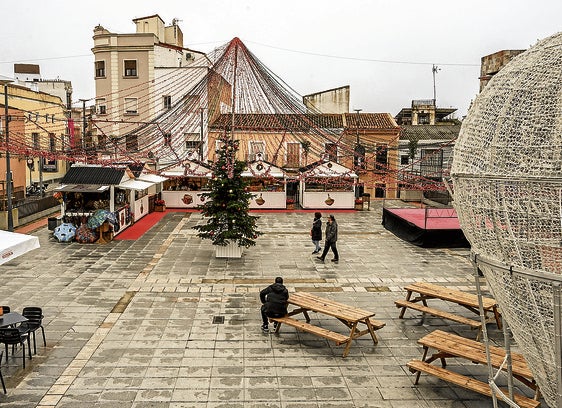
column 274, row 302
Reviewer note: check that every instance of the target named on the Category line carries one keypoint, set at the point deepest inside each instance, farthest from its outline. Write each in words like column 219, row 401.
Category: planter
column 232, row 250
column 159, row 208
column 290, row 206
column 359, row 207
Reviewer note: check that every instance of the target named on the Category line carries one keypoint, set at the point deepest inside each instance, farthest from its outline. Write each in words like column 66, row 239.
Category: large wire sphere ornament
column 507, row 182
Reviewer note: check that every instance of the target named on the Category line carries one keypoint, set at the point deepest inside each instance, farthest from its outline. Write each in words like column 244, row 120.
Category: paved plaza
column 160, row 322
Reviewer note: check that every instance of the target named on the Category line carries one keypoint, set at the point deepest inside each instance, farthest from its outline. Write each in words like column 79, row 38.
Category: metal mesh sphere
column 507, row 178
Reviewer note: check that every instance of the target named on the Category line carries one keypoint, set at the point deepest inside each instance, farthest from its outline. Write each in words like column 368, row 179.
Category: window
column 293, row 154
column 52, row 142
column 168, row 138
column 167, row 101
column 130, row 68
column 131, row 107
column 431, row 163
column 331, row 152
column 101, row 107
column 381, row 157
column 100, row 69
column 256, row 151
column 193, row 146
column 132, row 143
column 102, row 141
column 404, row 160
column 35, row 139
column 423, row 119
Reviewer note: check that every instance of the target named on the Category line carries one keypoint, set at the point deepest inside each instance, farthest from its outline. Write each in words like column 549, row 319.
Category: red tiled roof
column 303, row 122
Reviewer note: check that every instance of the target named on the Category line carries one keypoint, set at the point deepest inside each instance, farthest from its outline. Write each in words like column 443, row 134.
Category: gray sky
column 383, row 49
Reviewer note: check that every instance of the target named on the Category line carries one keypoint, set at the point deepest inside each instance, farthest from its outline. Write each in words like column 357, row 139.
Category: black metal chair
column 34, row 322
column 1, row 377
column 5, row 309
column 13, row 336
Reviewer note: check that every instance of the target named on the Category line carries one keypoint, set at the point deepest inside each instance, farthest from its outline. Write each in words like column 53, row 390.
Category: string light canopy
column 238, row 94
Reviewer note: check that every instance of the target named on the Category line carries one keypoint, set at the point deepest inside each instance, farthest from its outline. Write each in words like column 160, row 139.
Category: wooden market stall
column 185, row 184
column 267, row 183
column 327, row 185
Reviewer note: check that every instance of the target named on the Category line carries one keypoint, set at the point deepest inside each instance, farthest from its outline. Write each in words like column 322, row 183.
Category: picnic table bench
column 469, row 301
column 449, row 345
column 348, row 315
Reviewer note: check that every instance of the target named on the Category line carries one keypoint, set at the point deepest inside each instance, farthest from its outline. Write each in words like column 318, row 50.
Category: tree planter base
column 231, row 250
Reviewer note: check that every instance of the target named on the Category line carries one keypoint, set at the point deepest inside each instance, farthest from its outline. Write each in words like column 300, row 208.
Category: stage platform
column 425, row 227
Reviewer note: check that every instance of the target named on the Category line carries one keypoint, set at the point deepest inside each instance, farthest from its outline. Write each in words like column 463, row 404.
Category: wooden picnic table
column 449, row 345
column 427, row 291
column 348, row 315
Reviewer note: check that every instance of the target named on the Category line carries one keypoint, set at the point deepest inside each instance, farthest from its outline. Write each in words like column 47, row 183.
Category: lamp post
column 5, row 82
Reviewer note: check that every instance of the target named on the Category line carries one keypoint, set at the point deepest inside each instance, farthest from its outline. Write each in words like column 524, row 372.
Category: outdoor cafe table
column 348, row 315
column 10, row 319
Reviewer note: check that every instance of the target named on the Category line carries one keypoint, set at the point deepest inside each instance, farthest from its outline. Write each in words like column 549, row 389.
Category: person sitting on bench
column 274, row 302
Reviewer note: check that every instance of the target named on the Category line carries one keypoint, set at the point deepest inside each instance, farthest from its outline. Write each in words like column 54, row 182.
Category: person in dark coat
column 274, row 302
column 316, row 232
column 330, row 239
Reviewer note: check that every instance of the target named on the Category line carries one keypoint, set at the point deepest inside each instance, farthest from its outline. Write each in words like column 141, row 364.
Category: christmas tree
column 227, row 203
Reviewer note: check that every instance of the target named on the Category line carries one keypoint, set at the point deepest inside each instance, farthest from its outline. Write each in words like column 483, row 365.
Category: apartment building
column 139, row 77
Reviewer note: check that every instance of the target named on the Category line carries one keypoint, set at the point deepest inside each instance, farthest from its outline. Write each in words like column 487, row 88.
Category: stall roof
column 152, row 178
column 82, row 188
column 94, row 175
column 327, row 169
column 135, row 184
column 261, row 168
column 194, row 170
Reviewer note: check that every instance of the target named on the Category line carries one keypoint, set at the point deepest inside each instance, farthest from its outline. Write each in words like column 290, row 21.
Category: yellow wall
column 37, row 110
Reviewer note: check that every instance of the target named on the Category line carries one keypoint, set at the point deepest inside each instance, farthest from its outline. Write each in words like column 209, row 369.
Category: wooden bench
column 467, row 382
column 448, row 345
column 307, row 327
column 439, row 313
column 469, row 301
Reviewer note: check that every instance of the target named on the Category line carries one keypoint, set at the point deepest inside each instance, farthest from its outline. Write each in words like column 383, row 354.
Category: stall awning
column 135, row 185
column 82, row 188
column 152, row 178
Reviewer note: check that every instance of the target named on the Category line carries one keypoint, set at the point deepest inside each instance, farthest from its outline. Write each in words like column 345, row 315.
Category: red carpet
column 137, row 230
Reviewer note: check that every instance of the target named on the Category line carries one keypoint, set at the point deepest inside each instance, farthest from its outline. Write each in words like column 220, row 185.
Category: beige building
column 331, row 101
column 139, row 77
column 491, row 64
column 38, row 136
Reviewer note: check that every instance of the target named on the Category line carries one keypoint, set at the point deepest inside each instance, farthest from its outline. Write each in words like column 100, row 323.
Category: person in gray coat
column 331, row 239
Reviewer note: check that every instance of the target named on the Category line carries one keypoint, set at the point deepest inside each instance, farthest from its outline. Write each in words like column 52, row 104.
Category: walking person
column 316, row 232
column 274, row 302
column 330, row 239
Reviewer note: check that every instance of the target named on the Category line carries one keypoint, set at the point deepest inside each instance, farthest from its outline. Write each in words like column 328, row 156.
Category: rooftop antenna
column 434, row 69
column 175, row 21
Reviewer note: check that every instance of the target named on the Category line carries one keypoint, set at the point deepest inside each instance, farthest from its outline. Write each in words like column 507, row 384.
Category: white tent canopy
column 13, row 245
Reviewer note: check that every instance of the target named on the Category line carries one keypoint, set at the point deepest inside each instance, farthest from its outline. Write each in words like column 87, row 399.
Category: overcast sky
column 383, row 49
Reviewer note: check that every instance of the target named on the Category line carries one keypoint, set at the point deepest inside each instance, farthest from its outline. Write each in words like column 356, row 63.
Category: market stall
column 267, row 184
column 327, row 185
column 85, row 190
column 185, row 185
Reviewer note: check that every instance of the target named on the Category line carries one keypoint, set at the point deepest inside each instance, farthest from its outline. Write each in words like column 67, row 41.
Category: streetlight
column 5, row 82
column 359, row 153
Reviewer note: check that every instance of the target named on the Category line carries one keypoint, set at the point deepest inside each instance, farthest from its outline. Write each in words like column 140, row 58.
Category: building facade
column 139, row 77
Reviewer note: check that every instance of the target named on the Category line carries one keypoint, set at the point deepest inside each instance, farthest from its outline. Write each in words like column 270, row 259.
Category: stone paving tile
column 132, row 323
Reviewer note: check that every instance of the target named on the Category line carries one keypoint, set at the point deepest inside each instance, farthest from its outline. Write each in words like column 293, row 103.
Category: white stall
column 185, row 185
column 267, row 183
column 327, row 185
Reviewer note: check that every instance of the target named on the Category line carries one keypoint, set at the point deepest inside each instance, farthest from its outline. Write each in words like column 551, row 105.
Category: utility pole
column 84, row 126
column 434, row 70
column 8, row 189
